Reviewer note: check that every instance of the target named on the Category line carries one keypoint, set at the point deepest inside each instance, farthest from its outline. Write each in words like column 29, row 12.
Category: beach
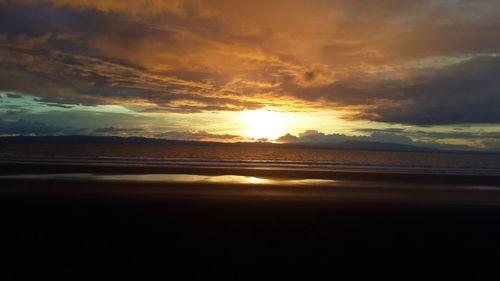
column 350, row 226
column 249, row 140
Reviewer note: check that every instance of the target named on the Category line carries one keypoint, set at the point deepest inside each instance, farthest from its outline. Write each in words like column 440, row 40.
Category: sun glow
column 264, row 124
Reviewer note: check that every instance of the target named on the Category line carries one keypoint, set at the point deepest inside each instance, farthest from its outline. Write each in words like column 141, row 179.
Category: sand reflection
column 232, row 179
column 179, row 178
column 185, row 178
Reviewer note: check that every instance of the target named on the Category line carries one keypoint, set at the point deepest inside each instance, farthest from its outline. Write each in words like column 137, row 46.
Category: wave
column 250, row 164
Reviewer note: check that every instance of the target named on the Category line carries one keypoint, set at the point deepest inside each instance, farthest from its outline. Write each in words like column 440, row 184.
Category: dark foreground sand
column 120, row 230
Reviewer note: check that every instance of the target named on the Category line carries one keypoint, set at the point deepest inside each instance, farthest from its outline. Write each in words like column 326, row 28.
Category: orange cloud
column 192, row 56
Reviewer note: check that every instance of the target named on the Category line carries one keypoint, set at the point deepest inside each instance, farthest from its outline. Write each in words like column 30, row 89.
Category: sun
column 264, row 124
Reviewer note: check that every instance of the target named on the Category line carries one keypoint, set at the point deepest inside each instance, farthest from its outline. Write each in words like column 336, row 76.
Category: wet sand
column 111, row 230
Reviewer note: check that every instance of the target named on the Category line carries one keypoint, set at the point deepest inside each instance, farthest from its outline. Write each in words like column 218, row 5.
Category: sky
column 411, row 72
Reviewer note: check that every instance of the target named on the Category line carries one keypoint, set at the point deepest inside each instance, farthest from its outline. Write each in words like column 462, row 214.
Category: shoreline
column 360, row 223
column 342, row 192
column 269, row 173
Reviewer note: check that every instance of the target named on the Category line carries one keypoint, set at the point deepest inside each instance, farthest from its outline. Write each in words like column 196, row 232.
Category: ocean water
column 251, row 156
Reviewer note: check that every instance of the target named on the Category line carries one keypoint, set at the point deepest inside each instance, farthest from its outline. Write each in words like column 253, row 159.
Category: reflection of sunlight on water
column 213, row 179
column 187, row 178
column 179, row 178
column 309, row 181
column 257, row 180
column 237, row 179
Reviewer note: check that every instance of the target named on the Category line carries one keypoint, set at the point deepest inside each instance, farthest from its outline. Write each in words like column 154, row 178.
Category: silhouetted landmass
column 79, row 139
column 372, row 145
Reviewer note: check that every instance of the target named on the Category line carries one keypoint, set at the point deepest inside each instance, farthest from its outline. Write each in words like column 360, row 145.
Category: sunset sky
column 409, row 72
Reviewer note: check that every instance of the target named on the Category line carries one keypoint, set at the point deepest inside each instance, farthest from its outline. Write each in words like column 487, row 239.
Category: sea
column 252, row 156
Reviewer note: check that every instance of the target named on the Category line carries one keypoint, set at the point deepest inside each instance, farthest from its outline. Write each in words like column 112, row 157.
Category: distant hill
column 79, row 139
column 372, row 145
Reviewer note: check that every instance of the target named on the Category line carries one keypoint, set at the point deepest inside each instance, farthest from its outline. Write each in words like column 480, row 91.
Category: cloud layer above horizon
column 406, row 63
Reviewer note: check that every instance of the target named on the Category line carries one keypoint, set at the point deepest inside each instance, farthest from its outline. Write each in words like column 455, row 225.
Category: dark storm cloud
column 462, row 93
column 348, row 92
column 468, row 92
column 42, row 19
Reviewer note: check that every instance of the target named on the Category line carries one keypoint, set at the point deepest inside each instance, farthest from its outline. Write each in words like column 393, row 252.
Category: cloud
column 483, row 138
column 36, row 128
column 461, row 93
column 138, row 6
column 80, row 56
column 24, row 127
column 199, row 136
column 114, row 131
column 13, row 96
column 314, row 136
column 392, row 136
column 410, row 62
column 58, row 77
